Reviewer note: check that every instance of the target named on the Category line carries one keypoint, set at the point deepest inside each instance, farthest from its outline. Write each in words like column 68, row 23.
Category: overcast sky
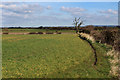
column 62, row 13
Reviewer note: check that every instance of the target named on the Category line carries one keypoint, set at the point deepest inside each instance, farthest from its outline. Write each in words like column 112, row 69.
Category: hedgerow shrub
column 40, row 32
column 5, row 33
column 58, row 32
column 49, row 32
column 107, row 37
column 117, row 41
column 32, row 33
column 96, row 34
column 117, row 45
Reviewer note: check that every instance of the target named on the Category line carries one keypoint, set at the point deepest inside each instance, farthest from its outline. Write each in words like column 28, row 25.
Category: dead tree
column 77, row 23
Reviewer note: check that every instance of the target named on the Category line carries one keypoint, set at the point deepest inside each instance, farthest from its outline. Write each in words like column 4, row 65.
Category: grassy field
column 37, row 30
column 51, row 56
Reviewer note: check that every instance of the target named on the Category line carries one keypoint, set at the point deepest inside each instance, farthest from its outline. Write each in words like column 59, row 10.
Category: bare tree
column 77, row 22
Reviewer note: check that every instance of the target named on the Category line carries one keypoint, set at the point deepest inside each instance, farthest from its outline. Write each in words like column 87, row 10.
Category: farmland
column 51, row 56
column 60, row 39
column 35, row 30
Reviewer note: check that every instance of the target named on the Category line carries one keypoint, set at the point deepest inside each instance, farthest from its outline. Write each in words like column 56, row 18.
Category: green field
column 36, row 30
column 51, row 56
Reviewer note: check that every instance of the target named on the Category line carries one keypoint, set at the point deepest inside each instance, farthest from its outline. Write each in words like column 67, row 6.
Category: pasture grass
column 36, row 30
column 51, row 56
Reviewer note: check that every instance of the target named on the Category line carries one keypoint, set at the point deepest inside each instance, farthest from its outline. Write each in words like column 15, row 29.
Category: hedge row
column 45, row 33
column 108, row 35
column 38, row 33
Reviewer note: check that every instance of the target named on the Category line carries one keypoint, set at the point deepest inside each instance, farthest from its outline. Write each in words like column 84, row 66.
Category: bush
column 107, row 37
column 49, row 32
column 40, row 32
column 98, row 28
column 84, row 31
column 5, row 33
column 97, row 35
column 32, row 33
column 87, row 29
column 104, row 36
column 58, row 32
column 117, row 45
column 117, row 41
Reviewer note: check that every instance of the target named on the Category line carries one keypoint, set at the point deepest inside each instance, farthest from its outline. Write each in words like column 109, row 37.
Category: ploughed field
column 51, row 56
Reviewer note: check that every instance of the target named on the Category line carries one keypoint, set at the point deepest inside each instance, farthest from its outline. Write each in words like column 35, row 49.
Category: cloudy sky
column 54, row 13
